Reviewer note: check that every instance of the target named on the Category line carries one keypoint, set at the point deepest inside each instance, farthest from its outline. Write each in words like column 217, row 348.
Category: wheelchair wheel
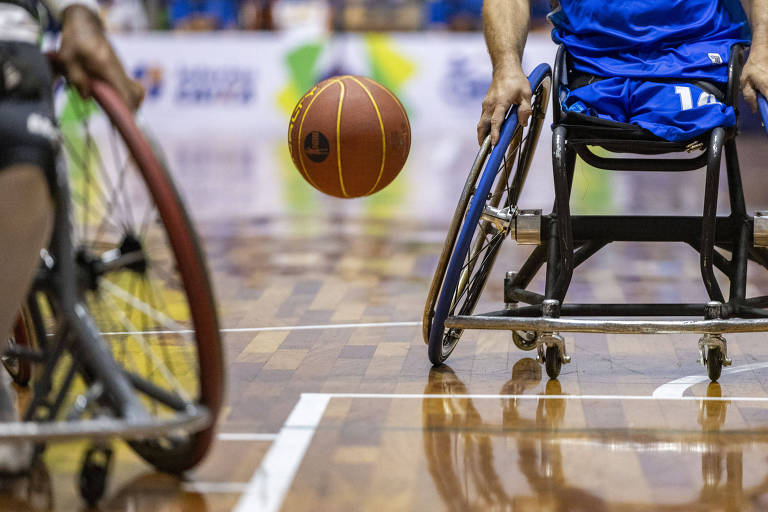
column 477, row 238
column 450, row 240
column 23, row 335
column 714, row 363
column 141, row 270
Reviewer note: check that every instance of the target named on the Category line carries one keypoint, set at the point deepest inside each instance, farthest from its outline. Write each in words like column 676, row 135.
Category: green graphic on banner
column 389, row 67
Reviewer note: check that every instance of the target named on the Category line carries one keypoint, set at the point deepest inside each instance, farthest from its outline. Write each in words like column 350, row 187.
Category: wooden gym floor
column 333, row 405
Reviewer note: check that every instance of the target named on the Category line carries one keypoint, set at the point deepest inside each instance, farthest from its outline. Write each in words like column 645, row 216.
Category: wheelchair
column 488, row 214
column 119, row 337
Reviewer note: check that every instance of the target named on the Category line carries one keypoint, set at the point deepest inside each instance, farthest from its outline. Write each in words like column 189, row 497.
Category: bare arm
column 86, row 54
column 754, row 77
column 506, row 29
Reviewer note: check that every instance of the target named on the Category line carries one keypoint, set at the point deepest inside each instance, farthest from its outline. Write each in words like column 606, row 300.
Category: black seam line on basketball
column 383, row 135
column 338, row 139
column 303, row 169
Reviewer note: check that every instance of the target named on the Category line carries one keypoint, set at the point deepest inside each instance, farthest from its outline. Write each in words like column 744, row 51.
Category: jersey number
column 686, row 100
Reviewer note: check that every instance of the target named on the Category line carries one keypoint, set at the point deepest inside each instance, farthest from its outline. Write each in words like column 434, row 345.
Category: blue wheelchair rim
column 476, row 206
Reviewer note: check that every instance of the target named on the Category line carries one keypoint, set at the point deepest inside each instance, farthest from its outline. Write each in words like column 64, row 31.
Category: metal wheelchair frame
column 567, row 241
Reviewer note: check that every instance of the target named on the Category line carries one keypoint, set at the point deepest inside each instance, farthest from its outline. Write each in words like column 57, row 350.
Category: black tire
column 553, row 361
column 525, row 340
column 478, row 241
column 714, row 363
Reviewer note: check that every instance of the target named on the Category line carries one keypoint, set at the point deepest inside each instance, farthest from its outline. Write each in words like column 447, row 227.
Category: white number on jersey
column 686, row 99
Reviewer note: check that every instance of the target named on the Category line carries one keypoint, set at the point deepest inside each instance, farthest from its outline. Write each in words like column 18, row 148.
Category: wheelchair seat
column 617, row 137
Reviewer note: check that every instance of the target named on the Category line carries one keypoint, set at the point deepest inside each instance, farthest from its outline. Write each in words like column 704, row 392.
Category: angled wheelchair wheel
column 141, row 270
column 453, row 232
column 477, row 233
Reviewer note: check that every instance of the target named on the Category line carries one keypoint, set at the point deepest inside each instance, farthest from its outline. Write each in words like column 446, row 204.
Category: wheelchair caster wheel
column 553, row 361
column 525, row 340
column 93, row 474
column 714, row 363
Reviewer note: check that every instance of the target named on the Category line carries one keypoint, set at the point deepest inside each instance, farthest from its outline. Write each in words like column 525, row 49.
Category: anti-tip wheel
column 553, row 361
column 714, row 363
column 525, row 340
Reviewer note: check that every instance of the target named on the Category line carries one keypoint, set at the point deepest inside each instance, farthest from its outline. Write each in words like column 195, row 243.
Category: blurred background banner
column 252, row 81
column 222, row 77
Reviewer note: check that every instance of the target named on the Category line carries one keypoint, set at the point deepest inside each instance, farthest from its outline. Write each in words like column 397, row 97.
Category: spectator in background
column 124, row 15
column 256, row 15
column 455, row 14
column 203, row 14
column 467, row 14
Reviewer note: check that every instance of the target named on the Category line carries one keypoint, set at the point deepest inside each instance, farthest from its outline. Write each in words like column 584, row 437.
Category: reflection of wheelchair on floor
column 488, row 213
column 459, row 446
column 119, row 336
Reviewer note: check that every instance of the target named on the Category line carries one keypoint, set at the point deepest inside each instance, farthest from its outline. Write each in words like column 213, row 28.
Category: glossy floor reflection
column 559, row 454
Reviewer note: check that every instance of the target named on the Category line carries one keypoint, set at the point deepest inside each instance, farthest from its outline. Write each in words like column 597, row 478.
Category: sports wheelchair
column 488, row 213
column 119, row 337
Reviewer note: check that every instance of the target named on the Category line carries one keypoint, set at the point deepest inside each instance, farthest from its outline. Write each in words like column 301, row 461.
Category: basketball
column 349, row 136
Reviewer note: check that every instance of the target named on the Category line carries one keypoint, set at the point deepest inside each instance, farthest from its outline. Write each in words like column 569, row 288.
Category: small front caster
column 713, row 353
column 551, row 348
column 553, row 361
column 525, row 340
column 93, row 474
column 714, row 363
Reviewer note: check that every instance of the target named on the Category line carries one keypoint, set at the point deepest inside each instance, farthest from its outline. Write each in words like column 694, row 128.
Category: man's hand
column 754, row 76
column 507, row 88
column 86, row 54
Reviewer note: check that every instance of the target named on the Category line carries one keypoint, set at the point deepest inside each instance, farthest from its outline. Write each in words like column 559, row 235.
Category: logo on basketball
column 316, row 147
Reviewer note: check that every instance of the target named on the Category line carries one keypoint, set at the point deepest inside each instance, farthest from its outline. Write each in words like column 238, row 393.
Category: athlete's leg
column 677, row 111
column 606, row 99
column 25, row 226
column 28, row 144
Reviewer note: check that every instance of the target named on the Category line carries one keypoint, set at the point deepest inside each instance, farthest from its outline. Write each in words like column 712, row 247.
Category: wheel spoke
column 145, row 346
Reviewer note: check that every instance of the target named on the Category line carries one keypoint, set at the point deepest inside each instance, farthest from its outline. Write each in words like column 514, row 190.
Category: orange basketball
column 349, row 136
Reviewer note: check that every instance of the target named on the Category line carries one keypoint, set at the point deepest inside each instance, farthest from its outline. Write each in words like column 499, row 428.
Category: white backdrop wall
column 232, row 80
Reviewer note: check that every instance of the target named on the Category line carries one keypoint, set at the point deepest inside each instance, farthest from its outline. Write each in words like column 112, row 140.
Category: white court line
column 245, row 436
column 277, row 328
column 676, row 388
column 543, row 397
column 270, row 483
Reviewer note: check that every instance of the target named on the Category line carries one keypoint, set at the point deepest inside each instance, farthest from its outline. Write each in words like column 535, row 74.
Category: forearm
column 758, row 20
column 506, row 29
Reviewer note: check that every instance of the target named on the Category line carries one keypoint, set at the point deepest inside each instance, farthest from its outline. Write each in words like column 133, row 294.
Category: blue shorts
column 654, row 48
column 675, row 111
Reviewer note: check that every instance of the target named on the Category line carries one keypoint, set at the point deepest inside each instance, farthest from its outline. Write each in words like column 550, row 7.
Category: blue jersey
column 650, row 51
column 677, row 39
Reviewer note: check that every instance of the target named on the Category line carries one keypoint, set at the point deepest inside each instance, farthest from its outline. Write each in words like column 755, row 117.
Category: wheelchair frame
column 566, row 241
column 113, row 390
